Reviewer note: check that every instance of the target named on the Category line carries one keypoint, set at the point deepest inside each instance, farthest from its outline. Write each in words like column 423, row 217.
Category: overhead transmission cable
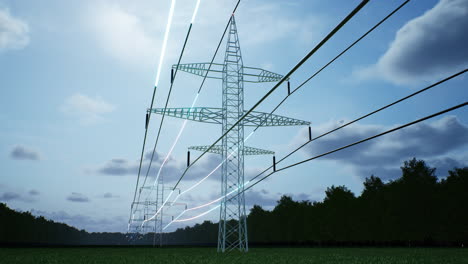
column 315, row 74
column 286, row 77
column 336, row 129
column 193, row 103
column 312, row 52
column 167, row 100
column 349, row 123
column 328, row 153
column 158, row 74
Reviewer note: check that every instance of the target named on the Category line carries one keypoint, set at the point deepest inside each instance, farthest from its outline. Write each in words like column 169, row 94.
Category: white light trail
column 166, row 37
column 173, row 144
column 195, row 12
column 197, row 216
column 161, row 58
column 193, row 104
column 201, row 206
column 183, row 212
column 198, row 183
column 156, row 84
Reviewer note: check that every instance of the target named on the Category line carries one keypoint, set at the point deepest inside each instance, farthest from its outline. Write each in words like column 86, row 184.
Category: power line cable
column 286, row 77
column 297, row 88
column 365, row 116
column 170, row 89
column 193, row 103
column 312, row 52
column 161, row 60
column 328, row 153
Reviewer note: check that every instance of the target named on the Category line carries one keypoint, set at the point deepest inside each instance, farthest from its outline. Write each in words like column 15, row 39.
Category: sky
column 76, row 78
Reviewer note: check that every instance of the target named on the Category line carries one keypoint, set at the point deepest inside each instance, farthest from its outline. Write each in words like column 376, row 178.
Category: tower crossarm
column 266, row 119
column 201, row 114
column 250, row 74
column 257, row 75
column 200, row 69
column 217, row 149
column 214, row 115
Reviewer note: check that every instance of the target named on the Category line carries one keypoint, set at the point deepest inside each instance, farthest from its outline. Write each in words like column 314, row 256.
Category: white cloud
column 89, row 110
column 426, row 48
column 14, row 32
column 132, row 32
column 123, row 34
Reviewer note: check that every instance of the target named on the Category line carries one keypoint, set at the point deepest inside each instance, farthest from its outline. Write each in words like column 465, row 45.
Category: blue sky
column 76, row 78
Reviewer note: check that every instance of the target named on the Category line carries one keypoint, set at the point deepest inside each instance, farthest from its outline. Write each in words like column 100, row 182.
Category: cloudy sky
column 76, row 78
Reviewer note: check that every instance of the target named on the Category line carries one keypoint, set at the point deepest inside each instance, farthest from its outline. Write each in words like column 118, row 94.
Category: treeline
column 414, row 210
column 23, row 228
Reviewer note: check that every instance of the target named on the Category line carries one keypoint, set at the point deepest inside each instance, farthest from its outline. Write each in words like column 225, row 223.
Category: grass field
column 256, row 255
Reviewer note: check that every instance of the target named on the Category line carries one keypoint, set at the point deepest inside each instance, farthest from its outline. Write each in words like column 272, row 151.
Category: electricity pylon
column 141, row 222
column 233, row 219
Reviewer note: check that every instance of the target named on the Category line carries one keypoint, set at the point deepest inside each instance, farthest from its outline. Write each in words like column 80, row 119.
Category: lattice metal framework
column 144, row 210
column 250, row 74
column 232, row 220
column 247, row 150
column 215, row 116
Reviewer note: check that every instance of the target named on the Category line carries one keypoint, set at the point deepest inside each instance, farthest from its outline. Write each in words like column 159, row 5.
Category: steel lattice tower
column 233, row 219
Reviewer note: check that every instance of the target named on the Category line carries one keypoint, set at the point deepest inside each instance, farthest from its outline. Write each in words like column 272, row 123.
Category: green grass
column 209, row 255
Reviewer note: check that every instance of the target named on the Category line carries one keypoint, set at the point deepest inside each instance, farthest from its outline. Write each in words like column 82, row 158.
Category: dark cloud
column 90, row 224
column 380, row 156
column 77, row 197
column 172, row 169
column 9, row 196
column 428, row 46
column 445, row 164
column 262, row 198
column 33, row 192
column 119, row 167
column 385, row 174
column 149, row 154
column 14, row 196
column 110, row 195
column 23, row 153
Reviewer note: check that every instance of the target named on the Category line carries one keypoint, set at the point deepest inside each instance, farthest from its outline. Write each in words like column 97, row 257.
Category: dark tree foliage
column 415, row 209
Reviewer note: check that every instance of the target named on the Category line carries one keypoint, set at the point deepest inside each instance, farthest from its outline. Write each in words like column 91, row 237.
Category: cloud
column 90, row 224
column 124, row 33
column 33, row 192
column 109, row 195
column 132, row 32
column 15, row 196
column 89, row 110
column 427, row 47
column 77, row 197
column 23, row 153
column 14, row 32
column 262, row 198
column 268, row 22
column 9, row 196
column 380, row 156
column 171, row 171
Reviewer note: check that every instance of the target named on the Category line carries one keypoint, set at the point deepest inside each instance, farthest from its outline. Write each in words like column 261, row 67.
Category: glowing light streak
column 166, row 37
column 195, row 12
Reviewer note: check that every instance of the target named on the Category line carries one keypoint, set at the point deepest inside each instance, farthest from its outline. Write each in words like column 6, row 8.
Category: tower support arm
column 215, row 115
column 199, row 114
column 250, row 74
column 247, row 150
